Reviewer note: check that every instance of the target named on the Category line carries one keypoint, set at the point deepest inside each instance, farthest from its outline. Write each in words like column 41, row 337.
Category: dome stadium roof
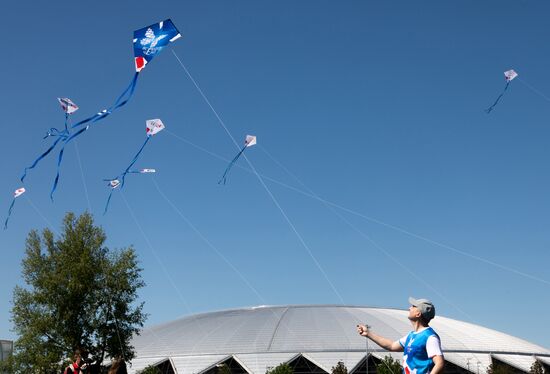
column 262, row 337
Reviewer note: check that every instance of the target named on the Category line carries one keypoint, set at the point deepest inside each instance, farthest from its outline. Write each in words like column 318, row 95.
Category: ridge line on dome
column 276, row 328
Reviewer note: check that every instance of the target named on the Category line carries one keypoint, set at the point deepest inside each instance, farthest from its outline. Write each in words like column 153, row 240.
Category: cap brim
column 413, row 301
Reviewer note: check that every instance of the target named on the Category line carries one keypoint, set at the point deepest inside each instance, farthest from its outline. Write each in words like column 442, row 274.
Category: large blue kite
column 148, row 42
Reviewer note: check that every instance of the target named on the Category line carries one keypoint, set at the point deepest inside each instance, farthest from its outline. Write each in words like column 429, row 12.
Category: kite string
column 366, row 236
column 300, row 238
column 52, row 227
column 534, row 89
column 376, row 245
column 208, row 242
column 217, row 251
column 154, row 252
column 270, row 194
column 82, row 176
column 372, row 219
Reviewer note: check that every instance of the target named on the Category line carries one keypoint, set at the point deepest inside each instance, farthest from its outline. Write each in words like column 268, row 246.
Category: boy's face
column 414, row 313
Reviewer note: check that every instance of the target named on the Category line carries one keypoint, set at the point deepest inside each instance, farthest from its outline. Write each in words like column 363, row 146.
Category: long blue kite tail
column 65, row 136
column 60, row 157
column 488, row 110
column 122, row 177
column 124, row 97
column 108, row 202
column 130, row 91
column 40, row 158
column 133, row 161
column 226, row 172
column 9, row 214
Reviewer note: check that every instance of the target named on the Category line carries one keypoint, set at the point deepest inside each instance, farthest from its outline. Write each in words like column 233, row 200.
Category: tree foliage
column 499, row 368
column 340, row 368
column 537, row 368
column 389, row 366
column 78, row 294
column 281, row 369
column 151, row 370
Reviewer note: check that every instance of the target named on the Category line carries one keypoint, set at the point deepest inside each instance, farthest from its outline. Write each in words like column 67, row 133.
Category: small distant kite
column 148, row 42
column 142, row 171
column 67, row 105
column 509, row 75
column 249, row 141
column 152, row 127
column 18, row 192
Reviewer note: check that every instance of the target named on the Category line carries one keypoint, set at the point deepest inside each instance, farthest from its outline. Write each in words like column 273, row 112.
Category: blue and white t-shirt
column 418, row 350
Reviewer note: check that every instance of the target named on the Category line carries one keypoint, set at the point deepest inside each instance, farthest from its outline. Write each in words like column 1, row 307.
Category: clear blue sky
column 377, row 107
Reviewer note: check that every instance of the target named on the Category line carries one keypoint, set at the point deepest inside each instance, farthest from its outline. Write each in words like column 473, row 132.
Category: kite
column 148, row 42
column 18, row 192
column 509, row 75
column 249, row 141
column 152, row 127
column 142, row 171
column 68, row 107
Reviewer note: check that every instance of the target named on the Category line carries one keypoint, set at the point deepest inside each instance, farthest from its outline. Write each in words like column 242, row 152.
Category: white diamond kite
column 152, row 127
column 249, row 141
column 18, row 192
column 509, row 75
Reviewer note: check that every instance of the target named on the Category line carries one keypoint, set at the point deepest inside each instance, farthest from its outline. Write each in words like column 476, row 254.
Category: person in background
column 78, row 366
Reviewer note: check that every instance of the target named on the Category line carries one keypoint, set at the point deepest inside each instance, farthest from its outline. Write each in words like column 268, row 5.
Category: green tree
column 281, row 369
column 537, row 368
column 340, row 368
column 151, row 370
column 499, row 368
column 389, row 366
column 78, row 295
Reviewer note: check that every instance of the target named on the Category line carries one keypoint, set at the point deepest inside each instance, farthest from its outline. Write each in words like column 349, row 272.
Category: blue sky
column 373, row 107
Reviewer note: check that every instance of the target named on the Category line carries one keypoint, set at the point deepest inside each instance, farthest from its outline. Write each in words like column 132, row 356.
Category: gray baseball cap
column 425, row 306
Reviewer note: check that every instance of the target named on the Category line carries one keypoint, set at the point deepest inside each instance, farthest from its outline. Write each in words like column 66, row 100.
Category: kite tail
column 96, row 117
column 133, row 161
column 108, row 201
column 9, row 214
column 488, row 110
column 130, row 91
column 226, row 172
column 120, row 101
column 40, row 157
column 60, row 158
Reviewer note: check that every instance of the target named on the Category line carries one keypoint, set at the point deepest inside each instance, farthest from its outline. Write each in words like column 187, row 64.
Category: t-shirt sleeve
column 433, row 346
column 402, row 341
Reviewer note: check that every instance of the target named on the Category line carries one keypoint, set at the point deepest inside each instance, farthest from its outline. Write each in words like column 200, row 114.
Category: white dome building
column 312, row 339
